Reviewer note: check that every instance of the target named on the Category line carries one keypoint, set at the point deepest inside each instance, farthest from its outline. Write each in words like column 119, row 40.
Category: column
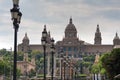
column 60, row 67
column 54, row 65
column 48, row 65
column 99, row 76
column 70, row 73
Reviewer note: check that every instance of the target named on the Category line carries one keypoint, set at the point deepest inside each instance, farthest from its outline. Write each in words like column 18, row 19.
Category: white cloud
column 55, row 14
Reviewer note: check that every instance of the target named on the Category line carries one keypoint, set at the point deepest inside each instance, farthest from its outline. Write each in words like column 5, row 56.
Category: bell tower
column 116, row 40
column 25, row 43
column 97, row 39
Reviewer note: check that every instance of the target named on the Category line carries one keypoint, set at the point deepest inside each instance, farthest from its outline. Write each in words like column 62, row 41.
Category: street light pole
column 52, row 52
column 61, row 69
column 61, row 56
column 16, row 18
column 44, row 41
column 64, row 70
column 72, row 73
column 44, row 48
column 75, row 75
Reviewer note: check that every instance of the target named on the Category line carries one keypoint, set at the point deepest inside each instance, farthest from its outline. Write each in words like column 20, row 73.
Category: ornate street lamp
column 44, row 42
column 16, row 18
column 52, row 52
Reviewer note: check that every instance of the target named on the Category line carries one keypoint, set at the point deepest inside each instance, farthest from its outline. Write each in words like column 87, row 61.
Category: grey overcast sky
column 55, row 14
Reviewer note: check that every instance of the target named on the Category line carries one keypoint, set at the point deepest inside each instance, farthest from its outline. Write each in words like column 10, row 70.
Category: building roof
column 70, row 27
column 98, row 48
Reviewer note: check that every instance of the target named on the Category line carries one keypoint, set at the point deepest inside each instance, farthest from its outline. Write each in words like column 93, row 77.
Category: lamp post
column 61, row 56
column 69, row 68
column 16, row 18
column 67, row 71
column 44, row 41
column 64, row 68
column 75, row 74
column 67, row 58
column 72, row 73
column 52, row 52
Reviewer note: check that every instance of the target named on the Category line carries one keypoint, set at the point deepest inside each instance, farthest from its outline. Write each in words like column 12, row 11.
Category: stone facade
column 71, row 44
column 26, row 47
column 25, row 66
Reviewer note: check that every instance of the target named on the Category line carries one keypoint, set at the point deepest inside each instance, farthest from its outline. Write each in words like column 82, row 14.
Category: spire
column 98, row 30
column 49, row 34
column 70, row 20
column 45, row 28
column 116, row 36
column 116, row 40
column 25, row 34
column 26, row 37
column 97, row 39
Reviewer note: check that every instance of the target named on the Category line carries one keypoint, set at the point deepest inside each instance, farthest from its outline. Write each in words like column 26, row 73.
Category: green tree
column 32, row 73
column 95, row 69
column 1, row 67
column 4, row 68
column 6, row 63
column 38, row 60
column 20, row 56
column 111, row 63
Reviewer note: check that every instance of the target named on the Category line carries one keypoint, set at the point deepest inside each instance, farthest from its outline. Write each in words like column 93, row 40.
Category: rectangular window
column 69, row 55
column 69, row 49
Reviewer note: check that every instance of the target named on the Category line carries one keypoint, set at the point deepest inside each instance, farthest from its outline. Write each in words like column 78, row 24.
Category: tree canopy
column 111, row 63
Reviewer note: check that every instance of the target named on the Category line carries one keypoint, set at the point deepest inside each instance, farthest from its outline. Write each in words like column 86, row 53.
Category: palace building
column 72, row 47
column 71, row 44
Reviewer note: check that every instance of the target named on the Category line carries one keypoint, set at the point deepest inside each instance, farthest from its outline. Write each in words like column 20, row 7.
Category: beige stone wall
column 25, row 66
column 98, row 48
column 1, row 77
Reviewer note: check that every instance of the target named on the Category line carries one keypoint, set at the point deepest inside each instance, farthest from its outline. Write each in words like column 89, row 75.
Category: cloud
column 55, row 14
column 55, row 11
column 102, row 3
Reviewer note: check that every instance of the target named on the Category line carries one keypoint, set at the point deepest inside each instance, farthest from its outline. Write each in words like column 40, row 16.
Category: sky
column 55, row 14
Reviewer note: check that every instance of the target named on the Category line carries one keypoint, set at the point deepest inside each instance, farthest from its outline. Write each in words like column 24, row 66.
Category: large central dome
column 70, row 30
